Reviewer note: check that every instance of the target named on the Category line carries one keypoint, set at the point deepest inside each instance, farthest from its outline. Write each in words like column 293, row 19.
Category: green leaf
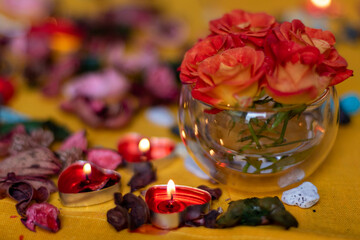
column 257, row 211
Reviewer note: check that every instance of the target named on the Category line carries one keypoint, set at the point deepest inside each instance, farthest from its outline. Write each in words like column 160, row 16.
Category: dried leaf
column 43, row 215
column 256, row 211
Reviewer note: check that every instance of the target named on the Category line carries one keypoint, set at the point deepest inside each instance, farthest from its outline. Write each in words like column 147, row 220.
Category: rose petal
column 77, row 140
column 105, row 158
column 43, row 215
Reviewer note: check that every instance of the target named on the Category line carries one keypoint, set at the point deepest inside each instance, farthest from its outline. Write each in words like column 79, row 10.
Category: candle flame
column 87, row 168
column 321, row 3
column 144, row 145
column 170, row 188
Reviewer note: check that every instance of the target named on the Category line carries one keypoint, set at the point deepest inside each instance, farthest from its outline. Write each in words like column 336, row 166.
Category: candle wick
column 171, row 197
column 87, row 177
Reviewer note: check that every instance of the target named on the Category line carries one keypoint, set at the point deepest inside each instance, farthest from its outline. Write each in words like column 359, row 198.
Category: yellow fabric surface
column 337, row 214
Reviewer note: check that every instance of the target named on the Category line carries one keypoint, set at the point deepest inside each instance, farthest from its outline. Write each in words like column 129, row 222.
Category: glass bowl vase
column 262, row 148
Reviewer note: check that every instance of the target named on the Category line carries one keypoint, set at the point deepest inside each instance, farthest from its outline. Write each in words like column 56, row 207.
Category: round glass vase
column 262, row 148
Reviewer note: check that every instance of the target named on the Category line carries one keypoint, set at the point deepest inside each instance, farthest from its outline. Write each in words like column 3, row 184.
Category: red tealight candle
column 168, row 203
column 135, row 148
column 83, row 183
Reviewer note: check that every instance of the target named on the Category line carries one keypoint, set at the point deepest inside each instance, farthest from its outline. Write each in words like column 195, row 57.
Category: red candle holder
column 168, row 212
column 81, row 187
column 157, row 150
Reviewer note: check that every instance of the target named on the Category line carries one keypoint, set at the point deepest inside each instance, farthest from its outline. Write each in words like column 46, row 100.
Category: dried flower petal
column 214, row 192
column 105, row 158
column 42, row 137
column 43, row 215
column 6, row 140
column 144, row 174
column 69, row 156
column 22, row 142
column 34, row 162
column 210, row 219
column 138, row 210
column 77, row 140
column 118, row 199
column 118, row 218
column 24, row 193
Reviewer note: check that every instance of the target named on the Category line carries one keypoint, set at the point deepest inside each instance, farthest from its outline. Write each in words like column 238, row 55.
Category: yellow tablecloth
column 336, row 215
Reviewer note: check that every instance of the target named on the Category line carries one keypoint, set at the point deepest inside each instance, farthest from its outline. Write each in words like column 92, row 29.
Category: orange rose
column 251, row 27
column 333, row 65
column 203, row 49
column 295, row 78
column 230, row 78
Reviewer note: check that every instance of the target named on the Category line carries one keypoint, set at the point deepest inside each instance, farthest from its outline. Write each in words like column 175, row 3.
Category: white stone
column 161, row 116
column 304, row 196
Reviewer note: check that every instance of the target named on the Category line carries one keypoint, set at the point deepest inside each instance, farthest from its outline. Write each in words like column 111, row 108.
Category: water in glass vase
column 259, row 149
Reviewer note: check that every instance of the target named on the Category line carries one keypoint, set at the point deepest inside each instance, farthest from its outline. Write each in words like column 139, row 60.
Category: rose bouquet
column 261, row 89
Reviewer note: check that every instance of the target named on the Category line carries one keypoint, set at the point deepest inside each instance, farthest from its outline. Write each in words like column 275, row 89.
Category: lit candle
column 87, row 170
column 84, row 184
column 135, row 148
column 318, row 7
column 144, row 147
column 168, row 203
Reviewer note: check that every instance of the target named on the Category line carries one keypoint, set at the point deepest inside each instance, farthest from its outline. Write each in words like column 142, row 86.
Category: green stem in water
column 246, row 167
column 283, row 130
column 253, row 134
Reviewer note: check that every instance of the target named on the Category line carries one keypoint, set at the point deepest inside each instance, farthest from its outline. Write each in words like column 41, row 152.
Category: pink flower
column 108, row 84
column 161, row 82
column 251, row 27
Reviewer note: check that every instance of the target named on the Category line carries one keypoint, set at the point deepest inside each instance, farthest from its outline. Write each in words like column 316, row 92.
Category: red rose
column 250, row 26
column 296, row 78
column 200, row 51
column 230, row 78
column 333, row 65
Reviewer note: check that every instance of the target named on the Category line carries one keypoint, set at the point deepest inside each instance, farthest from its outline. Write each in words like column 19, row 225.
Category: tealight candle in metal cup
column 168, row 204
column 79, row 184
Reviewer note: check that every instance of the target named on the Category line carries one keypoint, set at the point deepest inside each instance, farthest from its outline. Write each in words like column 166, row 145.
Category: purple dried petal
column 69, row 156
column 20, row 143
column 193, row 212
column 41, row 195
column 138, row 210
column 20, row 191
column 118, row 199
column 43, row 215
column 144, row 174
column 210, row 219
column 105, row 158
column 77, row 140
column 118, row 218
column 43, row 137
column 214, row 192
